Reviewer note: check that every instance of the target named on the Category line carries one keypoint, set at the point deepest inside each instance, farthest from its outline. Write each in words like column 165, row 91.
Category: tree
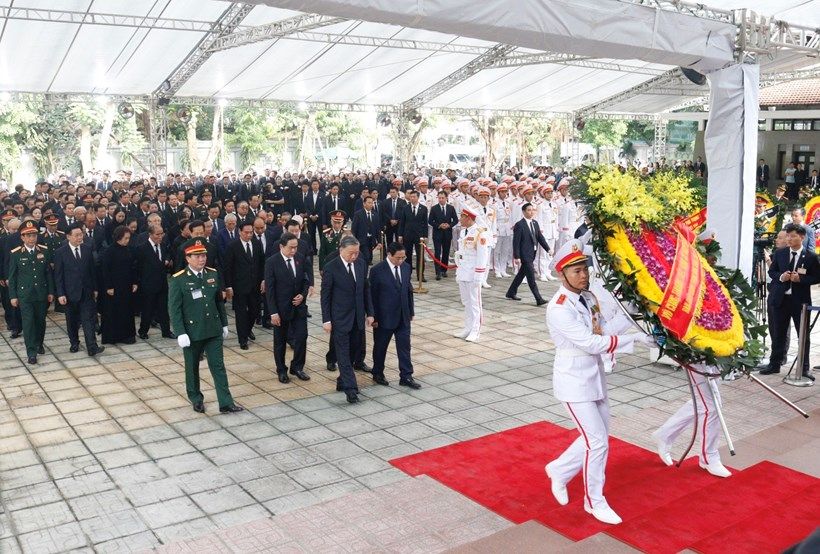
column 603, row 132
column 14, row 118
column 249, row 130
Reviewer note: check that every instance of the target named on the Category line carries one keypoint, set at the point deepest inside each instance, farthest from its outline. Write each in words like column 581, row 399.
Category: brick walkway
column 107, row 455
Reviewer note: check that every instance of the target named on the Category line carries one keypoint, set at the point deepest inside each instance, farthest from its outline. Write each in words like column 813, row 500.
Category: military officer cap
column 483, row 191
column 468, row 212
column 51, row 219
column 337, row 216
column 9, row 214
column 28, row 227
column 781, row 187
column 571, row 253
column 195, row 246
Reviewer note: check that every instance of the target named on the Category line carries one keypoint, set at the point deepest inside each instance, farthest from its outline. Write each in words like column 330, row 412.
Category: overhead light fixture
column 580, row 123
column 183, row 114
column 126, row 110
column 695, row 76
column 414, row 117
column 384, row 119
column 165, row 86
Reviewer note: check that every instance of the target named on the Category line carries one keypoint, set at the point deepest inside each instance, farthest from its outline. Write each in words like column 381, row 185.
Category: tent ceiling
column 39, row 54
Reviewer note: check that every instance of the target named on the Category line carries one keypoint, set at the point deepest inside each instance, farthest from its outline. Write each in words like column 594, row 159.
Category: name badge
column 801, row 270
column 196, row 294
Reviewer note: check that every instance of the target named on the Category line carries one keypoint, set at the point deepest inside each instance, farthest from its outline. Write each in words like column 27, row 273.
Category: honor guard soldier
column 472, row 259
column 31, row 287
column 198, row 318
column 330, row 237
column 582, row 337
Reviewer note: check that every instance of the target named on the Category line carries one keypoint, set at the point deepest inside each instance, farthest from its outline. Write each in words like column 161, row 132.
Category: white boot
column 461, row 334
column 559, row 490
column 716, row 468
column 472, row 337
column 663, row 450
column 603, row 513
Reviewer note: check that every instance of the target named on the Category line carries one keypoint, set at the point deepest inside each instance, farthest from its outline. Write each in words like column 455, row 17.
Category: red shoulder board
column 561, row 299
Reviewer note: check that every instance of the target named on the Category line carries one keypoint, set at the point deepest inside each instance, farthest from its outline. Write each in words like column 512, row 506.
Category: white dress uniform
column 487, row 222
column 471, row 258
column 548, row 222
column 582, row 337
column 502, row 255
column 567, row 220
column 708, row 424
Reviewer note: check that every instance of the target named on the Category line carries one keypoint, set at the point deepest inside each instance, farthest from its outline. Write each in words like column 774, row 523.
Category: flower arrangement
column 651, row 258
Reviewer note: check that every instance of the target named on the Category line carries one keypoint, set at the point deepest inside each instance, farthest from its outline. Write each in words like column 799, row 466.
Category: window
column 761, row 124
column 816, row 125
column 801, row 125
column 782, row 125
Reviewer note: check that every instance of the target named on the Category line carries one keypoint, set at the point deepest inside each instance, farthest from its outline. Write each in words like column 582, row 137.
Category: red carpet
column 664, row 509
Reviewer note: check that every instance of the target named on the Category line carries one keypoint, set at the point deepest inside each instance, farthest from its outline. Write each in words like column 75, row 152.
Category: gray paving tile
column 124, row 457
column 137, row 473
column 270, row 487
column 247, row 470
column 186, row 530
column 210, row 439
column 24, row 476
column 170, row 512
column 337, row 490
column 375, row 440
column 202, row 480
column 100, row 503
column 398, row 451
column 71, row 449
column 196, row 426
column 314, row 435
column 152, row 492
column 59, row 538
column 291, row 502
column 240, row 515
column 155, row 434
column 362, row 464
column 382, row 478
column 317, row 475
column 251, row 431
column 330, row 415
column 295, row 459
column 9, row 545
column 109, row 442
column 115, row 525
column 446, row 423
column 304, row 405
column 273, row 412
column 184, row 463
column 168, row 447
column 336, row 449
column 31, row 495
column 21, row 458
column 132, row 543
column 273, row 444
column 82, row 465
column 350, row 427
column 293, row 423
column 219, row 500
column 41, row 517
column 82, row 485
column 222, row 455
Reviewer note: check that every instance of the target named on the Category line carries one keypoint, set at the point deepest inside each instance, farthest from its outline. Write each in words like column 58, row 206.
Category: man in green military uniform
column 52, row 238
column 31, row 287
column 330, row 237
column 198, row 318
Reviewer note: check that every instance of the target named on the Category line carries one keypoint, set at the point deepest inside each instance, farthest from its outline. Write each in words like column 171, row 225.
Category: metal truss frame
column 659, row 142
column 273, row 30
column 158, row 137
column 223, row 26
column 109, row 19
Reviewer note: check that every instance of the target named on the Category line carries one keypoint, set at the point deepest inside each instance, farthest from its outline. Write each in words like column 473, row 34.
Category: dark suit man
column 225, row 237
column 526, row 238
column 332, row 202
column 393, row 311
column 75, row 282
column 793, row 270
column 413, row 226
column 442, row 219
column 366, row 228
column 313, row 211
column 286, row 285
column 391, row 210
column 763, row 174
column 153, row 264
column 244, row 271
column 346, row 309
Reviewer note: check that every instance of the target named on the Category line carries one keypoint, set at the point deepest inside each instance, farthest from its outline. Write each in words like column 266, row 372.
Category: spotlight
column 183, row 114
column 126, row 110
column 414, row 117
column 165, row 86
column 695, row 76
column 384, row 120
column 163, row 101
column 580, row 124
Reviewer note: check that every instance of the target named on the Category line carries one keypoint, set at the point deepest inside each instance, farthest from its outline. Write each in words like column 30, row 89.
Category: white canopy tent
column 513, row 57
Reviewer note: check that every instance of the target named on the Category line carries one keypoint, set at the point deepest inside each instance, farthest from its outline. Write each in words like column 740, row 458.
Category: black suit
column 152, row 278
column 442, row 238
column 367, row 231
column 345, row 304
column 524, row 245
column 282, row 285
column 244, row 274
column 392, row 310
column 763, row 175
column 391, row 211
column 785, row 305
column 313, row 208
column 412, row 228
column 77, row 281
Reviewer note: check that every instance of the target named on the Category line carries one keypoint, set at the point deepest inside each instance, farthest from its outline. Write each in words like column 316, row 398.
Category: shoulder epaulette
column 60, row 232
column 327, row 231
column 42, row 246
column 561, row 299
column 178, row 273
column 209, row 268
column 43, row 232
column 16, row 249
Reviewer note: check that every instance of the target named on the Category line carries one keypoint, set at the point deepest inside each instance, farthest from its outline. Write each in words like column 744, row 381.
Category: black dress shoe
column 283, row 378
column 380, row 380
column 199, row 408
column 540, row 302
column 352, row 396
column 97, row 350
column 808, row 376
column 769, row 371
column 74, row 348
column 363, row 367
column 143, row 336
column 251, row 336
column 410, row 382
column 444, row 274
column 243, row 345
column 331, row 366
column 32, row 359
column 129, row 340
column 301, row 375
column 339, row 387
column 424, row 279
column 232, row 409
column 41, row 350
column 308, row 314
column 438, row 277
column 512, row 297
column 169, row 335
column 15, row 334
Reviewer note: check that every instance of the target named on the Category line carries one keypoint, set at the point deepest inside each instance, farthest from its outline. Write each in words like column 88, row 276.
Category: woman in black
column 119, row 286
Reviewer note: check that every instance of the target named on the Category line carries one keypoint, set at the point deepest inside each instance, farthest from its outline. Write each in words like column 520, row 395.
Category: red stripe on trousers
column 586, row 454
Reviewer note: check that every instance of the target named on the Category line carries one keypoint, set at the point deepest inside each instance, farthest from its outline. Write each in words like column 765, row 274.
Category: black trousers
column 391, row 234
column 14, row 321
column 82, row 314
column 246, row 308
column 154, row 307
column 779, row 321
column 348, row 347
column 772, row 327
column 313, row 229
column 293, row 332
column 381, row 340
column 441, row 248
column 526, row 270
column 358, row 361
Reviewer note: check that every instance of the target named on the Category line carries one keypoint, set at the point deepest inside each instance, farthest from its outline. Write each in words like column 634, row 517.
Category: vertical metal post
column 158, row 139
column 797, row 380
column 659, row 142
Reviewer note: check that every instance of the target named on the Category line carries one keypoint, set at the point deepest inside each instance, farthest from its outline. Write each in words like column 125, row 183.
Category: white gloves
column 225, row 332
column 648, row 341
column 183, row 341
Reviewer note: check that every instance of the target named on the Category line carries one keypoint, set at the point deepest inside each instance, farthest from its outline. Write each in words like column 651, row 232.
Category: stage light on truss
column 695, row 76
column 126, row 110
column 183, row 114
column 384, row 119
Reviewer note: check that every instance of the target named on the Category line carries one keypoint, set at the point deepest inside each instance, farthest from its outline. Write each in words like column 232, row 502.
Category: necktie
column 396, row 272
column 335, row 204
column 414, row 211
column 583, row 302
column 485, row 210
column 394, row 208
column 368, row 217
column 248, row 249
column 77, row 252
column 290, row 268
column 350, row 271
column 156, row 249
column 532, row 230
column 791, row 268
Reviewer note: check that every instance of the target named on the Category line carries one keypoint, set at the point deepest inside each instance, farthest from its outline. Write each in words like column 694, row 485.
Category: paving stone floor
column 106, row 454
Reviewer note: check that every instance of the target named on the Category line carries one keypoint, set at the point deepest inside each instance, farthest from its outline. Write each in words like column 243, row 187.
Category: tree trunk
column 215, row 142
column 105, row 134
column 190, row 142
column 85, row 148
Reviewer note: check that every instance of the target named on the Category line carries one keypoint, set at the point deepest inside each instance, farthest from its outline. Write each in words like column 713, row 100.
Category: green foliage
column 643, row 131
column 15, row 117
column 249, row 130
column 604, row 132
